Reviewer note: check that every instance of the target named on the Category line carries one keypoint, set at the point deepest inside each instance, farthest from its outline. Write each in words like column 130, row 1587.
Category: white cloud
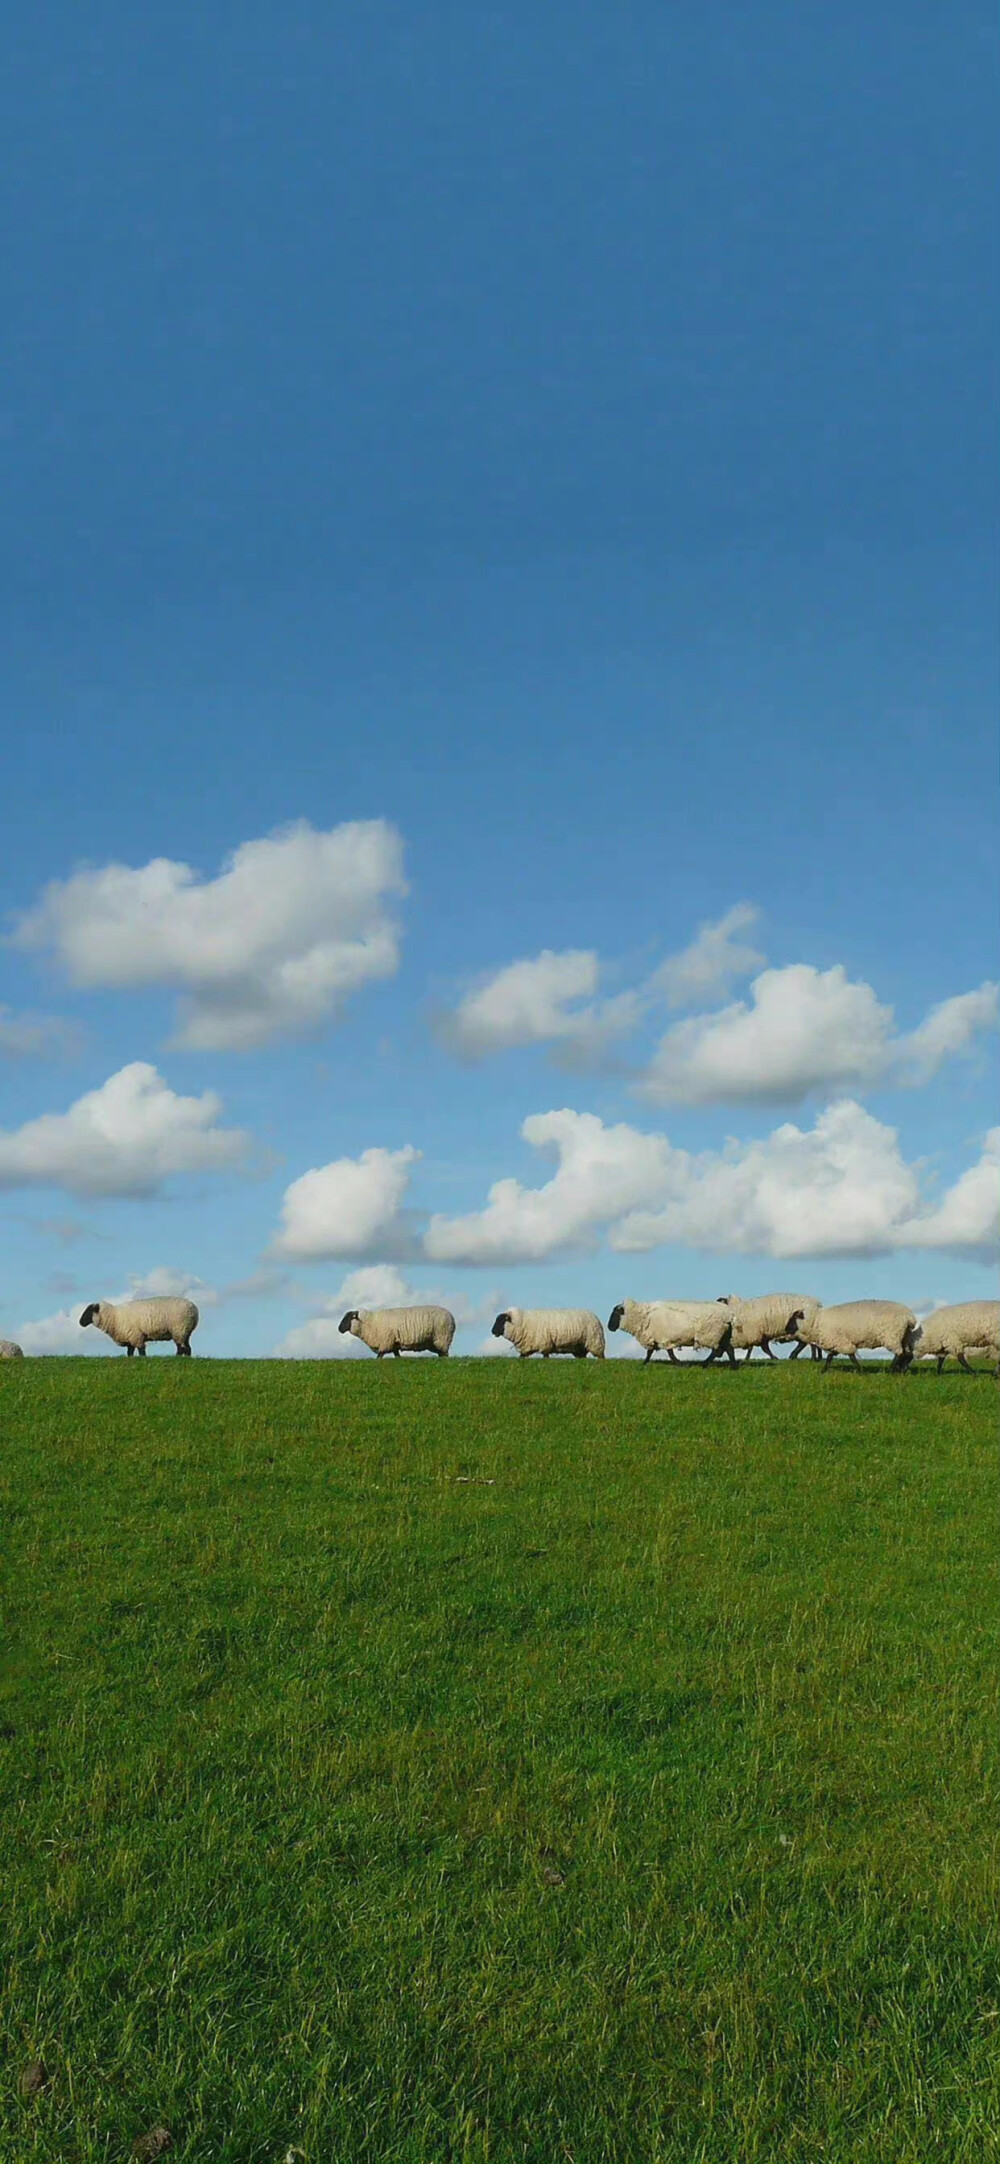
column 377, row 1285
column 61, row 1333
column 950, row 1029
column 320, row 1339
column 806, row 1030
column 35, row 1036
column 350, row 1209
column 529, row 1003
column 714, row 960
column 965, row 1220
column 602, row 1172
column 294, row 923
column 841, row 1187
column 125, row 1138
column 165, row 1282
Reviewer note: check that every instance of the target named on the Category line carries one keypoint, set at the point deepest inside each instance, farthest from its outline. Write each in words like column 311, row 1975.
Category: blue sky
column 493, row 493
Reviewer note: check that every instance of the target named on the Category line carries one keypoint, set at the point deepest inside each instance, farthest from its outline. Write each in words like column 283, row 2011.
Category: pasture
column 472, row 1761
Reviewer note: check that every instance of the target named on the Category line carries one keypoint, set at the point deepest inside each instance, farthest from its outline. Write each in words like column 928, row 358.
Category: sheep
column 138, row 1323
column 662, row 1325
column 862, row 1325
column 9, row 1351
column 548, row 1330
column 397, row 1330
column 757, row 1321
column 973, row 1327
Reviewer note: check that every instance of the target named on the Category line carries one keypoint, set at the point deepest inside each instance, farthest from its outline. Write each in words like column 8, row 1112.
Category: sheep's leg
column 830, row 1358
column 799, row 1346
column 396, row 1354
column 579, row 1352
column 963, row 1363
column 648, row 1357
column 766, row 1347
column 140, row 1351
column 942, row 1357
column 672, row 1357
column 129, row 1350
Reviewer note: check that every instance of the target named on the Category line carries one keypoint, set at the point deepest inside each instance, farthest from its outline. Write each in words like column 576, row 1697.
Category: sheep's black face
column 615, row 1317
column 500, row 1325
column 794, row 1320
column 351, row 1316
column 89, row 1313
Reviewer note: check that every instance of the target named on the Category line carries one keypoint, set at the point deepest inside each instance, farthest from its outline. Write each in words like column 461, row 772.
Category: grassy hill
column 490, row 1762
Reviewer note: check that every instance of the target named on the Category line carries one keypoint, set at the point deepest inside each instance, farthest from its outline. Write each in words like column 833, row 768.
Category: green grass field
column 480, row 1761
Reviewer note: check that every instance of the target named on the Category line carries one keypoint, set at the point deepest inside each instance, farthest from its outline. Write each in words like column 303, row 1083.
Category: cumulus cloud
column 965, row 1221
column 949, row 1030
column 537, row 1001
column 806, row 1030
column 602, row 1172
column 35, row 1036
column 716, row 958
column 351, row 1209
column 841, row 1187
column 377, row 1285
column 61, row 1333
column 125, row 1138
column 294, row 923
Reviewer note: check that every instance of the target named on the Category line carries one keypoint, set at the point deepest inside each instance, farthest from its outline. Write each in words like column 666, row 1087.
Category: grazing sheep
column 548, row 1330
column 138, row 1323
column 9, row 1351
column 769, row 1315
column 398, row 1330
column 862, row 1326
column 973, row 1327
column 663, row 1325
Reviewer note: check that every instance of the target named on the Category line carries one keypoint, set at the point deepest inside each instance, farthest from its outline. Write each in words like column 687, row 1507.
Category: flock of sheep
column 719, row 1328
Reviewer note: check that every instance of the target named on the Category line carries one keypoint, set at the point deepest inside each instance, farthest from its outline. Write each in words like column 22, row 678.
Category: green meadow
column 428, row 1761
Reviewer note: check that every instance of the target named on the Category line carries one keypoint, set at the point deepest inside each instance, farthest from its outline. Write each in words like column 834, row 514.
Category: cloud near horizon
column 295, row 922
column 841, row 1188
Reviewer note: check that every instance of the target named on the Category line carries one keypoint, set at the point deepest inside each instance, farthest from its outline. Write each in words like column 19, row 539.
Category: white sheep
column 665, row 1325
column 548, row 1330
column 138, row 1323
column 9, row 1351
column 972, row 1327
column 398, row 1330
column 770, row 1315
column 863, row 1326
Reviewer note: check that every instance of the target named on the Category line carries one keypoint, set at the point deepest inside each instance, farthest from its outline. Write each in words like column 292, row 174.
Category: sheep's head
column 500, row 1324
column 615, row 1317
column 89, row 1314
column 347, row 1320
column 794, row 1321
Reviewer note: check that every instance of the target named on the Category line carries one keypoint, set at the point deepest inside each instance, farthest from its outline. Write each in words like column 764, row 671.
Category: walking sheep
column 398, row 1330
column 9, row 1351
column 862, row 1326
column 548, row 1330
column 138, row 1323
column 973, row 1327
column 665, row 1325
column 770, row 1315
